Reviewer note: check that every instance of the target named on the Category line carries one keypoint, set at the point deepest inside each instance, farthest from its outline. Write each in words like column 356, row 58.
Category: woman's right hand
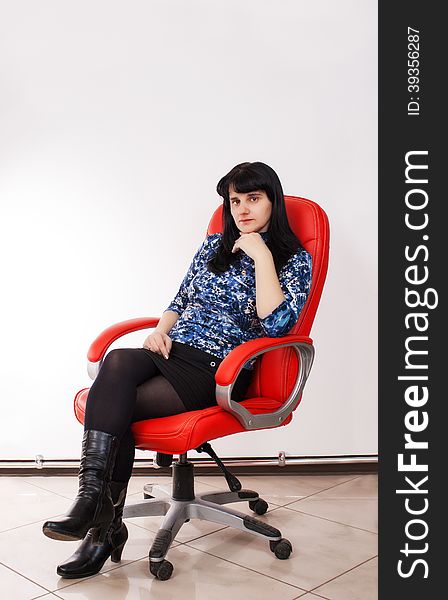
column 158, row 342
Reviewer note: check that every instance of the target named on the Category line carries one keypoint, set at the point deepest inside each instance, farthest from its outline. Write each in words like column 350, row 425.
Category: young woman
column 248, row 282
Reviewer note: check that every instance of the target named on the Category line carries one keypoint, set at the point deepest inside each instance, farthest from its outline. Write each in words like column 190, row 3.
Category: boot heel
column 116, row 553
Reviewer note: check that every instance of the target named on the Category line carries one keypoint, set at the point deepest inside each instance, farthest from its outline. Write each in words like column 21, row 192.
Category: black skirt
column 192, row 374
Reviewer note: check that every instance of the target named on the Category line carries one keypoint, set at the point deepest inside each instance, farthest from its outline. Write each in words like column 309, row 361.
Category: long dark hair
column 282, row 241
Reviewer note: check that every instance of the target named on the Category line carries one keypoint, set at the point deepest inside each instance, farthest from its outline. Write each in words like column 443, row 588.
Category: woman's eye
column 250, row 197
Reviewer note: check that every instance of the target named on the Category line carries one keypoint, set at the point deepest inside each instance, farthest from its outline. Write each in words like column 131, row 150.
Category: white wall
column 117, row 120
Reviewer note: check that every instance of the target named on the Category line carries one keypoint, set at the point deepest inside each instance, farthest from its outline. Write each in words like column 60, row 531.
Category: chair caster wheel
column 162, row 570
column 260, row 506
column 281, row 548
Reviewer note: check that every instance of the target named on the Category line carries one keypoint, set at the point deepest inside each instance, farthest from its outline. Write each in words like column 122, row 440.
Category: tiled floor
column 331, row 522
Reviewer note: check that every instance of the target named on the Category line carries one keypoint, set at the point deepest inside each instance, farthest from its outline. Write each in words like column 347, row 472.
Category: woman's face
column 250, row 211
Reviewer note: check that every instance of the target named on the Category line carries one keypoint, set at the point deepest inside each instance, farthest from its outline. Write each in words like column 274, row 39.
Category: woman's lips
column 245, row 220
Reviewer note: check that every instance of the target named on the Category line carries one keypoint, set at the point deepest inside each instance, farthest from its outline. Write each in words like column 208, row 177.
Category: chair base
column 182, row 504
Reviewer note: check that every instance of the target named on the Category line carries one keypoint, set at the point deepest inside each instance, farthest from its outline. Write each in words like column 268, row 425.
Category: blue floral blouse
column 218, row 311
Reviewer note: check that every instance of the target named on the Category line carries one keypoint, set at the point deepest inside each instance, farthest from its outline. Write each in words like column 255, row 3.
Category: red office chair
column 274, row 393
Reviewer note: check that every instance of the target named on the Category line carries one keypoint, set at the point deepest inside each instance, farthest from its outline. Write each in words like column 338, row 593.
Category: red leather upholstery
column 275, row 371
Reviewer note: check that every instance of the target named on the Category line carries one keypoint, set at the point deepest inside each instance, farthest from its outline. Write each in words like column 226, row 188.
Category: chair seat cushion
column 188, row 430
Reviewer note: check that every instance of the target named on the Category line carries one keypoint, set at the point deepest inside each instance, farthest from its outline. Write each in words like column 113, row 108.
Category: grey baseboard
column 311, row 465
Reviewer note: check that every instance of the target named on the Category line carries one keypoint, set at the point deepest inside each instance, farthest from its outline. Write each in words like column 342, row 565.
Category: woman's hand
column 158, row 342
column 252, row 244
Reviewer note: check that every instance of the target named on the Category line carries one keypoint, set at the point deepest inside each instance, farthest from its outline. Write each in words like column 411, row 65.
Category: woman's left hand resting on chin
column 252, row 244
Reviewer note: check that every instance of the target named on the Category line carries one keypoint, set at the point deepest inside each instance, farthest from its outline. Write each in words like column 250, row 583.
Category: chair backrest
column 310, row 224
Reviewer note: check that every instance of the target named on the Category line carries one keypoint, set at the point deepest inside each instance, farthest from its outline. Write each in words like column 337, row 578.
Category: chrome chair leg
column 209, row 511
column 228, row 497
column 147, row 508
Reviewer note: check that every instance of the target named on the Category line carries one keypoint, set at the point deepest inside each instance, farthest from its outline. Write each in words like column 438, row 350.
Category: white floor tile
column 196, row 576
column 22, row 503
column 321, row 549
column 15, row 587
column 66, row 486
column 326, row 559
column 353, row 503
column 360, row 583
column 282, row 489
column 310, row 596
column 46, row 597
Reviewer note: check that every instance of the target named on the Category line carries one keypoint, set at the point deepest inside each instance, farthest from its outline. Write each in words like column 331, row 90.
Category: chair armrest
column 232, row 364
column 102, row 342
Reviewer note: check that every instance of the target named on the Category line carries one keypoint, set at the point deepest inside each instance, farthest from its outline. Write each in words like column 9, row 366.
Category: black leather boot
column 89, row 558
column 93, row 506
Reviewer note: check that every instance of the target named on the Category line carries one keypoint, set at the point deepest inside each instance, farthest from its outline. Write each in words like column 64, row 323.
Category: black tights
column 129, row 387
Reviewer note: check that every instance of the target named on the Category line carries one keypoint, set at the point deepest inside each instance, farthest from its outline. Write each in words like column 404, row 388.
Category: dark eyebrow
column 258, row 192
